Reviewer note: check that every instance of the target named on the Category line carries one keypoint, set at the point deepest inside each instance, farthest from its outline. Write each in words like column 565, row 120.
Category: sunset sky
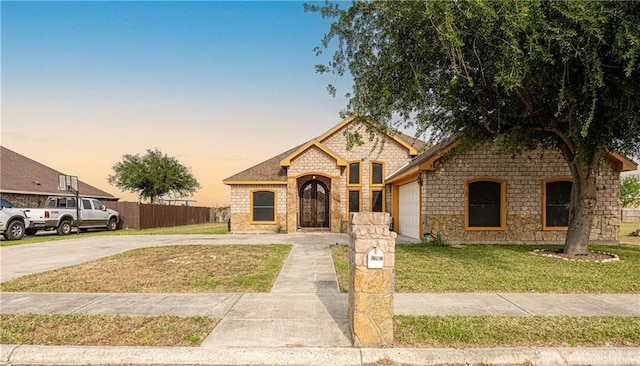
column 221, row 86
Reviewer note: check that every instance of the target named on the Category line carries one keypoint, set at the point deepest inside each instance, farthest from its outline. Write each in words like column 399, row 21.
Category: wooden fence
column 135, row 215
column 631, row 215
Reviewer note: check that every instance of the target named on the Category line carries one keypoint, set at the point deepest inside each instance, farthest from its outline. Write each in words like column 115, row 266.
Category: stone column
column 335, row 215
column 292, row 206
column 371, row 279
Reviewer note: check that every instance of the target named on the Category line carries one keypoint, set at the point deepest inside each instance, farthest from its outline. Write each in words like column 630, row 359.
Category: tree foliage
column 558, row 74
column 630, row 190
column 153, row 175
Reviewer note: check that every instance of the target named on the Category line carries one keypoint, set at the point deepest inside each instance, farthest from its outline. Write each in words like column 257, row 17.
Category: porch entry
column 314, row 204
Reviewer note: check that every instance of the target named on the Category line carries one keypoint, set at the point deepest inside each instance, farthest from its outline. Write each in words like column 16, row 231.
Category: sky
column 220, row 86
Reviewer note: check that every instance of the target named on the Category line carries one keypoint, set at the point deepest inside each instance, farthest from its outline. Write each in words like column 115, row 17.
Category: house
column 315, row 185
column 27, row 183
column 482, row 195
column 485, row 195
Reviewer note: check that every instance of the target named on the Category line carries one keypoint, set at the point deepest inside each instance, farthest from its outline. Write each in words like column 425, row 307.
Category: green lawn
column 513, row 331
column 503, row 268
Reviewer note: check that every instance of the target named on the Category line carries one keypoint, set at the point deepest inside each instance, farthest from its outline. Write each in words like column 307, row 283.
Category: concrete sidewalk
column 309, row 305
column 302, row 321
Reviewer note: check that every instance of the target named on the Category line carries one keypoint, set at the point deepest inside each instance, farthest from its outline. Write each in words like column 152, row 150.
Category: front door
column 314, row 204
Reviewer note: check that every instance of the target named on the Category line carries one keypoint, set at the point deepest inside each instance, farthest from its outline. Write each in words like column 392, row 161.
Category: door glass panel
column 306, row 205
column 321, row 209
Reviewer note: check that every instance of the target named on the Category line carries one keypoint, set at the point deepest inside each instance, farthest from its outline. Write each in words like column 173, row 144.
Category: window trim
column 359, row 173
column 349, row 199
column 380, row 189
column 371, row 184
column 275, row 207
column 544, row 203
column 503, row 204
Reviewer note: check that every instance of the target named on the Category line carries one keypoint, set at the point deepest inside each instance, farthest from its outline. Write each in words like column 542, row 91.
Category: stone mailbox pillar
column 371, row 279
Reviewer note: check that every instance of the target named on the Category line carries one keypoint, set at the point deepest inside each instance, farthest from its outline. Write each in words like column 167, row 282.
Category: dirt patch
column 591, row 256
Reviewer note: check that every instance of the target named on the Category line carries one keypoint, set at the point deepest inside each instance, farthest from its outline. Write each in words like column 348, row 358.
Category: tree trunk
column 582, row 210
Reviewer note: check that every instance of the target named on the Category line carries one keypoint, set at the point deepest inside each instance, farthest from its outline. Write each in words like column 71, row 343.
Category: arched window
column 485, row 204
column 353, row 174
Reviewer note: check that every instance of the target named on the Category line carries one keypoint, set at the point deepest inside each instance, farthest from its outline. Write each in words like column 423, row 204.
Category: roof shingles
column 19, row 174
column 271, row 171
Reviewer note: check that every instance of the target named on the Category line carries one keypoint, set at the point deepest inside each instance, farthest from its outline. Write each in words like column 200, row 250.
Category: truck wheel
column 31, row 231
column 112, row 225
column 15, row 231
column 64, row 228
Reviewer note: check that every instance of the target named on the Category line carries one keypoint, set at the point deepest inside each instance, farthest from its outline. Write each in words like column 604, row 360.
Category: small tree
column 630, row 190
column 153, row 175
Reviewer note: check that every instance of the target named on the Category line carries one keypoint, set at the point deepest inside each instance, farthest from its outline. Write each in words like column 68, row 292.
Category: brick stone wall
column 443, row 196
column 241, row 206
column 384, row 150
column 25, row 200
column 312, row 162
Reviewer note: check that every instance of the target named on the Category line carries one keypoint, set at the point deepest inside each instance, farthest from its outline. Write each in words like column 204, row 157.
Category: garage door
column 409, row 210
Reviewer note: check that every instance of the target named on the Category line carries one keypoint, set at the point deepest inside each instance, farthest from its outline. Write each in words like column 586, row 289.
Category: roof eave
column 253, row 182
column 623, row 164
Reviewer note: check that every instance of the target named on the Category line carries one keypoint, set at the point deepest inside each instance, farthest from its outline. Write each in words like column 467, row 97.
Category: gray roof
column 267, row 171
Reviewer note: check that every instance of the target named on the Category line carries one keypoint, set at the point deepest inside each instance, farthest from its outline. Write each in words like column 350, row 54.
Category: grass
column 511, row 331
column 503, row 268
column 104, row 330
column 171, row 269
column 625, row 229
column 202, row 229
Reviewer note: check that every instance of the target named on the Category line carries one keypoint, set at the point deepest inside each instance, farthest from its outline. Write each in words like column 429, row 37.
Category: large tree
column 527, row 73
column 153, row 175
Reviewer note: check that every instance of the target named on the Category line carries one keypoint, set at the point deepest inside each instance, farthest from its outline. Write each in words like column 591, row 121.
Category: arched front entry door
column 314, row 204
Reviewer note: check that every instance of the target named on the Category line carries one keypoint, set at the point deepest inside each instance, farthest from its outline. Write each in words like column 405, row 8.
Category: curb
column 83, row 355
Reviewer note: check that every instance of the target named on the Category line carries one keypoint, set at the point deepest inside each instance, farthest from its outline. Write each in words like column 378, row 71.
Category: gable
column 332, row 144
column 309, row 145
column 413, row 145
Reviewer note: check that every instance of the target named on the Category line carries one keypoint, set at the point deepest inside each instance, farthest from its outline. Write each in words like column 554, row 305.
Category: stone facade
column 241, row 203
column 386, row 150
column 443, row 197
column 371, row 304
column 25, row 200
column 326, row 160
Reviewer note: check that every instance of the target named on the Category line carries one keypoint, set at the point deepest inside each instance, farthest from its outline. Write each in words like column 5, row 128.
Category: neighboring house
column 315, row 185
column 487, row 196
column 27, row 183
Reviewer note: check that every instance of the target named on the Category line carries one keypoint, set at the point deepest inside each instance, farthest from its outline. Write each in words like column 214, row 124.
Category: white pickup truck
column 12, row 221
column 60, row 214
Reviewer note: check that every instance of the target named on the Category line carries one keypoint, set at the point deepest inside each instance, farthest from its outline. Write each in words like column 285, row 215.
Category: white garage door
column 409, row 210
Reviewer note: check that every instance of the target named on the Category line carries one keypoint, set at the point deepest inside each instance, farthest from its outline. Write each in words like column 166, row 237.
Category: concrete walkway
column 303, row 320
column 304, row 309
